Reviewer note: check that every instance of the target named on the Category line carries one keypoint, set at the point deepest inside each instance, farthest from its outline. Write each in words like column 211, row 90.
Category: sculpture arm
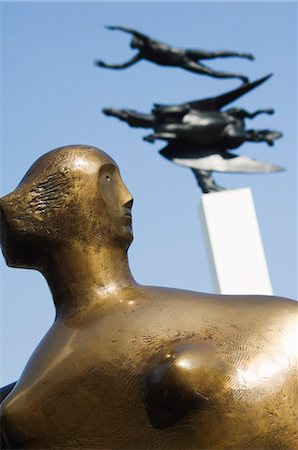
column 133, row 118
column 5, row 442
column 130, row 31
column 129, row 63
column 4, row 391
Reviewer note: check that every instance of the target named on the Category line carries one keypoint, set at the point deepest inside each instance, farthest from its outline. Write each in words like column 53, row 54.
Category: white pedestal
column 233, row 239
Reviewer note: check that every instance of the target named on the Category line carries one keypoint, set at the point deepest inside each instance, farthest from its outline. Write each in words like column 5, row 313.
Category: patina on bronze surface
column 165, row 55
column 131, row 366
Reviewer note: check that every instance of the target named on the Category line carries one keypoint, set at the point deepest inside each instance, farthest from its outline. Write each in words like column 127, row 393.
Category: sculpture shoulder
column 258, row 304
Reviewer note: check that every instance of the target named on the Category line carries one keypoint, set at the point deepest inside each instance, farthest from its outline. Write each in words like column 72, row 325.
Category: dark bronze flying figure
column 165, row 55
column 199, row 134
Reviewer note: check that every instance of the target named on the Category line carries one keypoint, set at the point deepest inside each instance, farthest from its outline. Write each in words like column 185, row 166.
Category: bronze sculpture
column 165, row 55
column 199, row 134
column 132, row 366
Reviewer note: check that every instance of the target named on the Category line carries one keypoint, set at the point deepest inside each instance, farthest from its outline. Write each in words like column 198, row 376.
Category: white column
column 234, row 242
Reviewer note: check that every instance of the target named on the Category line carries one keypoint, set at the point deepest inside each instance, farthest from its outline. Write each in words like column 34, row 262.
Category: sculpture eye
column 108, row 178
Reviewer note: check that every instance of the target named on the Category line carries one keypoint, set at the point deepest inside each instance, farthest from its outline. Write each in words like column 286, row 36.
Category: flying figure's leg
column 202, row 54
column 206, row 182
column 268, row 136
column 241, row 113
column 129, row 63
column 260, row 111
column 204, row 70
column 235, row 136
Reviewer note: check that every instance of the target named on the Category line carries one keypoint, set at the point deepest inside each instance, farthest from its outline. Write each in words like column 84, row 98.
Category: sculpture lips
column 128, row 217
column 127, row 213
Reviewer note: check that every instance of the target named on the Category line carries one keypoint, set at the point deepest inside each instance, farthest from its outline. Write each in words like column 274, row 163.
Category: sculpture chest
column 152, row 377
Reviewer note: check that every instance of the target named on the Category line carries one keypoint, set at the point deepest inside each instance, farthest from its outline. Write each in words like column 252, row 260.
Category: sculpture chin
column 18, row 253
column 17, row 241
column 126, row 237
column 10, row 252
column 127, row 229
column 6, row 240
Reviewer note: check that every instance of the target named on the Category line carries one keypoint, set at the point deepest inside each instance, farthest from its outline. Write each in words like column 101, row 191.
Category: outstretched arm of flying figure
column 129, row 63
column 130, row 31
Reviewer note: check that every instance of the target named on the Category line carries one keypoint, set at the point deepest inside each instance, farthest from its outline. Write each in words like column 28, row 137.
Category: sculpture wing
column 211, row 103
column 216, row 103
column 220, row 161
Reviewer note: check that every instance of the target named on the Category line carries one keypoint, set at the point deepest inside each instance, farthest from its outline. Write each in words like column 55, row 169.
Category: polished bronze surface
column 131, row 366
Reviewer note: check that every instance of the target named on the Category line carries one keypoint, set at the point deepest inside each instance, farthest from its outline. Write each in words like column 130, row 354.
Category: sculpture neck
column 81, row 277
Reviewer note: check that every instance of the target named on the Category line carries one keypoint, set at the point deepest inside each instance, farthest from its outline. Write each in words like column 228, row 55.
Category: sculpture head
column 71, row 194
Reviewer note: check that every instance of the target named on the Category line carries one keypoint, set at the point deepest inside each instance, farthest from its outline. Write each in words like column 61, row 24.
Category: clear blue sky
column 52, row 95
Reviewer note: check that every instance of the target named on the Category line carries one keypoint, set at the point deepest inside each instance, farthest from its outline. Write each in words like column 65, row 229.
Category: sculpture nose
column 126, row 197
column 128, row 204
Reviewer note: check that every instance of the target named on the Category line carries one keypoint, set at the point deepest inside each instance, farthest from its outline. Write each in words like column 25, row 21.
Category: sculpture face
column 72, row 193
column 117, row 200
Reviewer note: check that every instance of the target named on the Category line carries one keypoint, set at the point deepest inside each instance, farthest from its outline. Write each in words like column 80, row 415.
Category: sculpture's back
column 129, row 366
